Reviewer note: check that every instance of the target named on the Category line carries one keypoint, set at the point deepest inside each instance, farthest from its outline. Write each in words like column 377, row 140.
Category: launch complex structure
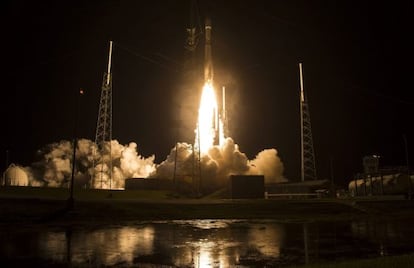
column 103, row 136
column 307, row 159
column 103, row 165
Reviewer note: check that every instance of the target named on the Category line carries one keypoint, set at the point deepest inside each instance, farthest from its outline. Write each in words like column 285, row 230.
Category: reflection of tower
column 104, row 125
column 306, row 242
column 308, row 167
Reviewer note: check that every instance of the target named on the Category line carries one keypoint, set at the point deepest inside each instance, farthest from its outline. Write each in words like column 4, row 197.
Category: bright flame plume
column 207, row 124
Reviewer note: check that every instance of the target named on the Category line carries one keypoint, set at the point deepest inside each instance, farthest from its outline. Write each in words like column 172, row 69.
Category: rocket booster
column 208, row 62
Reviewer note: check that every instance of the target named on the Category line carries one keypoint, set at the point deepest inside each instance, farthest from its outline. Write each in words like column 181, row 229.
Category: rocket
column 208, row 62
column 208, row 73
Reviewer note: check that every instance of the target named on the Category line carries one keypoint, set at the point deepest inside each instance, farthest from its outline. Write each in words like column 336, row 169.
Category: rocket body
column 209, row 74
column 208, row 62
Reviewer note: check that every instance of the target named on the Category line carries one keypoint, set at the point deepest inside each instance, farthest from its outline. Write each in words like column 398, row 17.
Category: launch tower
column 308, row 167
column 104, row 124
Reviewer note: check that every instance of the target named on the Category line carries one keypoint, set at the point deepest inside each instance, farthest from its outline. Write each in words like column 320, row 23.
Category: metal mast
column 104, row 125
column 308, row 167
column 224, row 114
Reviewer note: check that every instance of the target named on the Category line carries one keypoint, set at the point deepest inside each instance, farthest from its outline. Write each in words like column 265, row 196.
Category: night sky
column 356, row 74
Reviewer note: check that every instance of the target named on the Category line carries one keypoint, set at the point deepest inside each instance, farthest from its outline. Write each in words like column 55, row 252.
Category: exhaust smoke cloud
column 212, row 159
column 53, row 168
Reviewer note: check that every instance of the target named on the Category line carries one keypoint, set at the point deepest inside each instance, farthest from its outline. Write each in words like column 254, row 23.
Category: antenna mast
column 104, row 128
column 224, row 113
column 308, row 167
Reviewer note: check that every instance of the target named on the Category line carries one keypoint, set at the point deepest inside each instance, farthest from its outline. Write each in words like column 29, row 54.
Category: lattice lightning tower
column 308, row 167
column 104, row 125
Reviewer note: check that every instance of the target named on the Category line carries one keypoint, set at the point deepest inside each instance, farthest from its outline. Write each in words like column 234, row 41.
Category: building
column 312, row 188
column 246, row 186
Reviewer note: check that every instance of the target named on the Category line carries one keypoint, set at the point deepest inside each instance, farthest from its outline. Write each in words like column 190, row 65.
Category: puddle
column 205, row 243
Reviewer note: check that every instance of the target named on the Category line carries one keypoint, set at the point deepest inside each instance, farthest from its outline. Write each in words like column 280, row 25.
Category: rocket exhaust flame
column 207, row 124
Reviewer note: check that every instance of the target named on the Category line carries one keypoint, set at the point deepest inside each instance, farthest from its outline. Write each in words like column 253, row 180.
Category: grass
column 80, row 194
column 28, row 205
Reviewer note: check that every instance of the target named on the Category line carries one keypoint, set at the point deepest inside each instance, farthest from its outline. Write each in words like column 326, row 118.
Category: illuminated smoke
column 219, row 162
column 209, row 164
column 56, row 163
column 54, row 166
column 269, row 164
column 126, row 163
column 185, row 162
column 215, row 166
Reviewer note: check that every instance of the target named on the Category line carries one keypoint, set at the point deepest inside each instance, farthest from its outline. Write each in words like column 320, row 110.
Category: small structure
column 314, row 188
column 380, row 184
column 371, row 164
column 148, row 184
column 395, row 180
column 246, row 186
column 15, row 176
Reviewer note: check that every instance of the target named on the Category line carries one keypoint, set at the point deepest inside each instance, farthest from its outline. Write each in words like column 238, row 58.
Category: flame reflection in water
column 197, row 243
column 203, row 243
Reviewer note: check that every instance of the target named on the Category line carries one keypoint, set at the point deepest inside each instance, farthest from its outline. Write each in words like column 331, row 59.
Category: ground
column 25, row 205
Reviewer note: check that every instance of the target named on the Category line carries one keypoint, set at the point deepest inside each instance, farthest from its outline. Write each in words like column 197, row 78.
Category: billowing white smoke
column 268, row 163
column 219, row 163
column 56, row 161
column 127, row 164
column 54, row 167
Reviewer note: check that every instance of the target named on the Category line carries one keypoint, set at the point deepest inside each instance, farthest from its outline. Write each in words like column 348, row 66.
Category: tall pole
column 7, row 159
column 108, row 81
column 175, row 166
column 302, row 151
column 199, row 160
column 75, row 142
column 331, row 169
column 224, row 102
column 108, row 77
column 72, row 180
column 225, row 125
column 3, row 181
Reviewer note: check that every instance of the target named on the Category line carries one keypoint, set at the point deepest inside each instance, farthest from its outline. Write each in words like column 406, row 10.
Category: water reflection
column 267, row 239
column 208, row 243
column 103, row 247
column 382, row 233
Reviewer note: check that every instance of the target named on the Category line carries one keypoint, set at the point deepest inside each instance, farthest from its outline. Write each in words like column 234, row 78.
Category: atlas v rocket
column 220, row 129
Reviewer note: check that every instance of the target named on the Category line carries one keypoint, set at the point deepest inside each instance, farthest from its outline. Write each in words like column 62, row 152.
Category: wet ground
column 203, row 243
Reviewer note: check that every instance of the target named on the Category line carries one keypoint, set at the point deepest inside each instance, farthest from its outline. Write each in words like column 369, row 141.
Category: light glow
column 208, row 122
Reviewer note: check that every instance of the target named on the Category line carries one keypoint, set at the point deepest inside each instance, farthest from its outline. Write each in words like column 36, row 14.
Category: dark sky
column 356, row 71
